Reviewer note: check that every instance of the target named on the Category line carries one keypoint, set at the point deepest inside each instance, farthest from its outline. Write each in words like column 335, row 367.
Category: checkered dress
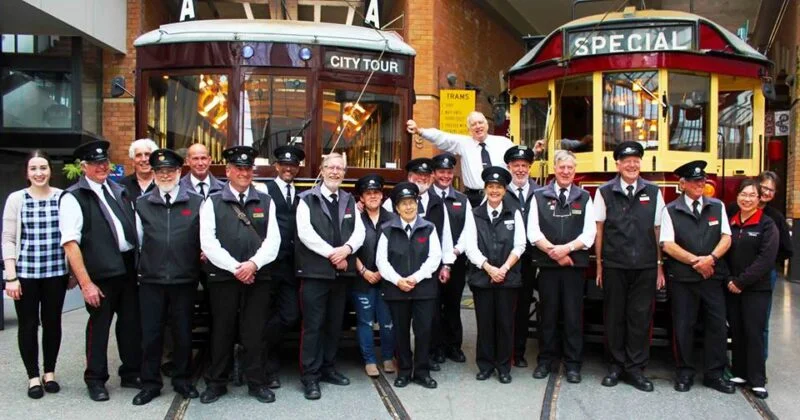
column 41, row 255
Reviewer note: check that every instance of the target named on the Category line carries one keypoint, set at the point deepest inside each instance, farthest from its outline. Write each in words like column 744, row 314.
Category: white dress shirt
column 475, row 255
column 70, row 217
column 196, row 184
column 668, row 230
column 470, row 152
column 312, row 240
column 172, row 195
column 600, row 203
column 282, row 187
column 219, row 256
column 425, row 271
column 589, row 223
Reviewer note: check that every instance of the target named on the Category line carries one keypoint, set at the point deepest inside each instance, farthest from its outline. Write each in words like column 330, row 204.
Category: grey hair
column 333, row 155
column 564, row 155
column 148, row 143
column 472, row 115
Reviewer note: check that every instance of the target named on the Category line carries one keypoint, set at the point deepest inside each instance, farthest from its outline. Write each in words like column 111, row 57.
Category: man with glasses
column 325, row 263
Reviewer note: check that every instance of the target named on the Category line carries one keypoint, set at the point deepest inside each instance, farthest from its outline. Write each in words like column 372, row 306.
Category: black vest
column 561, row 225
column 406, row 255
column 698, row 236
column 456, row 204
column 98, row 245
column 368, row 250
column 629, row 240
column 170, row 252
column 309, row 264
column 495, row 241
column 234, row 235
column 285, row 213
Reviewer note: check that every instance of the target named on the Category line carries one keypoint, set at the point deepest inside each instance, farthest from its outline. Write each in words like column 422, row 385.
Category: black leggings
column 46, row 295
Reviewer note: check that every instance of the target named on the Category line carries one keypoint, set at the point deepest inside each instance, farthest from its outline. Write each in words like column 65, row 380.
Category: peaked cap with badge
column 420, row 165
column 518, row 152
column 628, row 148
column 93, row 151
column 240, row 155
column 165, row 158
column 497, row 175
column 444, row 161
column 404, row 190
column 289, row 154
column 693, row 170
column 369, row 182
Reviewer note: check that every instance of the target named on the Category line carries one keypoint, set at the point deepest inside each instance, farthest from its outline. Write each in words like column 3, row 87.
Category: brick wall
column 729, row 13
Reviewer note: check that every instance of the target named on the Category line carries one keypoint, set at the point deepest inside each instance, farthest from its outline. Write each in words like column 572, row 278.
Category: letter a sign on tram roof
column 372, row 17
column 187, row 10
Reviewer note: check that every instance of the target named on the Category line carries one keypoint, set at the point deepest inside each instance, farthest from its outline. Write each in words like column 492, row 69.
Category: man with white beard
column 168, row 225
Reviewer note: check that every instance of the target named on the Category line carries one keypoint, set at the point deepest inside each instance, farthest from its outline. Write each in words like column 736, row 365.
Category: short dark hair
column 769, row 176
column 749, row 182
column 36, row 153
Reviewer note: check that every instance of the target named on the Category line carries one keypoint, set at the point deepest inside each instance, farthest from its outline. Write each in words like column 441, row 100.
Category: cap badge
column 628, row 150
column 243, row 156
column 161, row 157
column 288, row 155
column 98, row 150
column 697, row 169
column 424, row 166
column 371, row 182
column 406, row 191
column 445, row 161
column 521, row 152
column 495, row 176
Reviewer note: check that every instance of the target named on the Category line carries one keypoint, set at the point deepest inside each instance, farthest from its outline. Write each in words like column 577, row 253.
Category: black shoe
column 402, row 381
column 639, row 382
column 273, row 382
column 212, row 394
column 433, row 366
column 573, row 377
column 335, row 378
column 683, row 384
column 168, row 369
column 484, row 375
column 542, row 371
column 612, row 379
column 187, row 391
column 720, row 384
column 145, row 396
column 520, row 362
column 135, row 383
column 504, row 378
column 456, row 355
column 311, row 390
column 426, row 381
column 438, row 356
column 51, row 387
column 98, row 392
column 760, row 393
column 262, row 394
column 36, row 392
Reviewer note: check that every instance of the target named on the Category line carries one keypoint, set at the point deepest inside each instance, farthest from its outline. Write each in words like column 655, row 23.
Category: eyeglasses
column 748, row 195
column 335, row 168
column 767, row 190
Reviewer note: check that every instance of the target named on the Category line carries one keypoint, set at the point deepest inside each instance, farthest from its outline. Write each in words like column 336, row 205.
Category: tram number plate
column 629, row 40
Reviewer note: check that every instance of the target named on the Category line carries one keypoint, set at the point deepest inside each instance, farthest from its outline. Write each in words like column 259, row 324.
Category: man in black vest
column 696, row 235
column 168, row 227
column 286, row 304
column 448, row 333
column 199, row 178
column 561, row 226
column 520, row 193
column 239, row 236
column 331, row 233
column 628, row 211
column 98, row 233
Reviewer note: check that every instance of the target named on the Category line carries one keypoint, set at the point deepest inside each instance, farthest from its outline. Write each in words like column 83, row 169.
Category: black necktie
column 630, row 192
column 420, row 210
column 202, row 186
column 241, row 199
column 117, row 210
column 335, row 200
column 487, row 162
column 695, row 209
column 408, row 230
column 444, row 194
column 167, row 199
column 562, row 197
column 289, row 195
column 494, row 215
column 521, row 197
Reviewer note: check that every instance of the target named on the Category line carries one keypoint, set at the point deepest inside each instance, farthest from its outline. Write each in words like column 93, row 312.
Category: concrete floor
column 459, row 396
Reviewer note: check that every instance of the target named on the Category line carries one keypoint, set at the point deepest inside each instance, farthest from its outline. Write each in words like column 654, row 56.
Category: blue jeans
column 773, row 279
column 369, row 308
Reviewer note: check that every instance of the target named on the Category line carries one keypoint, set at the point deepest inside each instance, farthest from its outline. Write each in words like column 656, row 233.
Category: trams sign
column 629, row 40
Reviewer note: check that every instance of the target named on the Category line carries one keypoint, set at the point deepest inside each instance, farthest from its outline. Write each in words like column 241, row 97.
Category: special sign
column 627, row 40
column 365, row 63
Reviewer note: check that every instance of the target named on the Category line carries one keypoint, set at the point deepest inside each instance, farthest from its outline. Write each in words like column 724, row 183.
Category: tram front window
column 735, row 140
column 576, row 114
column 630, row 109
column 368, row 132
column 533, row 119
column 688, row 112
column 187, row 109
column 274, row 111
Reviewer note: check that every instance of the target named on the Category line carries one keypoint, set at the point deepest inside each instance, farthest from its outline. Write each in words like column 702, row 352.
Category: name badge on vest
column 509, row 224
column 753, row 234
column 577, row 211
column 713, row 221
column 348, row 215
column 258, row 215
column 644, row 198
column 456, row 204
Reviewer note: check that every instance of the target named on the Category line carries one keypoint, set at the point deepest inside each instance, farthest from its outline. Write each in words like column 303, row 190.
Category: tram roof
column 742, row 48
column 270, row 30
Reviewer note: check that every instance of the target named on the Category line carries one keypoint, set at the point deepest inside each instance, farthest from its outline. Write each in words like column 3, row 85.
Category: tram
column 681, row 85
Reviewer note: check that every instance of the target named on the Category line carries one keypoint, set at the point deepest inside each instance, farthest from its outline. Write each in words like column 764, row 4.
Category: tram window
column 369, row 133
column 274, row 111
column 735, row 139
column 630, row 109
column 533, row 119
column 187, row 109
column 688, row 112
column 575, row 96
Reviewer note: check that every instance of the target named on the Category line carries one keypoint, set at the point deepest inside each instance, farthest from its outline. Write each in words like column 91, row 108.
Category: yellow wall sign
column 454, row 107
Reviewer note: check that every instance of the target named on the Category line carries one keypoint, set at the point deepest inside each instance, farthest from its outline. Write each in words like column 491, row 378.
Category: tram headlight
column 305, row 53
column 247, row 51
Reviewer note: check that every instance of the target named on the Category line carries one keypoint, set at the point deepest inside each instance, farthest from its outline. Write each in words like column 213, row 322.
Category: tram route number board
column 630, row 40
column 364, row 63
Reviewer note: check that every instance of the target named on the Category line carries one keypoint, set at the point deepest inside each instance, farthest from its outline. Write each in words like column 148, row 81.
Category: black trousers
column 494, row 312
column 232, row 300
column 686, row 299
column 162, row 305
column 561, row 290
column 45, row 296
column 448, row 332
column 747, row 315
column 523, row 307
column 322, row 304
column 284, row 314
column 629, row 296
column 121, row 298
column 416, row 314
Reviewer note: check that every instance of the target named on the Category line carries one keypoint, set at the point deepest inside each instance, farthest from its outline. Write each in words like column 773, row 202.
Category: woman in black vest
column 408, row 254
column 754, row 246
column 494, row 275
column 367, row 300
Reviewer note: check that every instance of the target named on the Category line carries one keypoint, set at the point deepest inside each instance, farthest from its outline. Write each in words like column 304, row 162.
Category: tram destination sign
column 630, row 40
column 364, row 63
